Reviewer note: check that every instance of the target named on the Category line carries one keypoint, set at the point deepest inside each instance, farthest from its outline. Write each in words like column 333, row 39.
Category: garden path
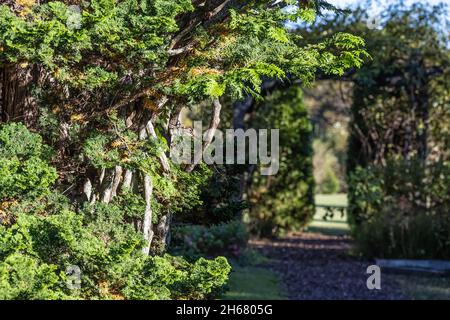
column 319, row 266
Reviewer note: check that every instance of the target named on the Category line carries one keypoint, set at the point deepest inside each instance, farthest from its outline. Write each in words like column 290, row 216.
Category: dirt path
column 317, row 266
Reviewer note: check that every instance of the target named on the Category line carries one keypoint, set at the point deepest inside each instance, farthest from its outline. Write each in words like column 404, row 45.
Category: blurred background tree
column 397, row 109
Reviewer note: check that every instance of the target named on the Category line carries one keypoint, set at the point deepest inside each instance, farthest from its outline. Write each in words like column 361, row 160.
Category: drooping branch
column 107, row 185
column 127, row 179
column 189, row 22
column 162, row 156
column 209, row 135
column 144, row 92
column 116, row 181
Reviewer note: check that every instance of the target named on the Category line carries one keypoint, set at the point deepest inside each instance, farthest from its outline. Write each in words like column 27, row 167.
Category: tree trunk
column 240, row 110
column 163, row 230
column 17, row 103
column 424, row 116
column 147, row 224
column 214, row 123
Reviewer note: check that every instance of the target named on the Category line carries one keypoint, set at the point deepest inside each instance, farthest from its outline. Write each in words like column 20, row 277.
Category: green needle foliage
column 41, row 235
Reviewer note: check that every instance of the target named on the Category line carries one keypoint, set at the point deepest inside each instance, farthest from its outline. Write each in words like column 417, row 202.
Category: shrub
column 330, row 183
column 401, row 210
column 37, row 250
column 197, row 240
column 204, row 279
column 24, row 277
column 41, row 236
column 24, row 167
column 170, row 277
column 285, row 201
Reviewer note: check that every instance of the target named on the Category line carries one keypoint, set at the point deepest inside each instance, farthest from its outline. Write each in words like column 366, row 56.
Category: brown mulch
column 317, row 266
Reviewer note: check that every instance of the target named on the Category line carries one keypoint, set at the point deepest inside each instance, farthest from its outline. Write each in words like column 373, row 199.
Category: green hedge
column 401, row 210
column 285, row 201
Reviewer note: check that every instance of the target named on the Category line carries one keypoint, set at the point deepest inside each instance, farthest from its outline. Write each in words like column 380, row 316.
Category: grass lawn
column 339, row 199
column 425, row 287
column 254, row 283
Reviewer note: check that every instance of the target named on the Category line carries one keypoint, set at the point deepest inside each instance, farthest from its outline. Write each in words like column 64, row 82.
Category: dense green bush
column 198, row 240
column 42, row 236
column 37, row 250
column 327, row 166
column 330, row 182
column 401, row 210
column 24, row 277
column 398, row 159
column 285, row 201
column 24, row 166
column 169, row 277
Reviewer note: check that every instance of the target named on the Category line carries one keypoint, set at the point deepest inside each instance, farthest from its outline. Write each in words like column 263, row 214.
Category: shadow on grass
column 329, row 228
column 328, row 231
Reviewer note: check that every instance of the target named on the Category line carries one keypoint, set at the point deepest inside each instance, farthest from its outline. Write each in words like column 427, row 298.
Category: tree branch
column 147, row 224
column 214, row 123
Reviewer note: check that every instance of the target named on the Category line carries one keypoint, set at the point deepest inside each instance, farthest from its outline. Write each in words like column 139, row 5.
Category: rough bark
column 147, row 223
column 163, row 230
column 127, row 179
column 87, row 189
column 240, row 109
column 17, row 102
column 63, row 136
column 207, row 139
column 162, row 156
column 116, row 181
column 424, row 116
column 173, row 123
column 107, row 186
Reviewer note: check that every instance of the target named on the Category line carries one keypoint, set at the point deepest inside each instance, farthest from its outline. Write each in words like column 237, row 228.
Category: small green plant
column 37, row 250
column 330, row 183
column 24, row 167
column 197, row 240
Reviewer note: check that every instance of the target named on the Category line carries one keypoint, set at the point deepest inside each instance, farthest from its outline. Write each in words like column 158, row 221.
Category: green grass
column 338, row 199
column 337, row 225
column 254, row 283
column 425, row 287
